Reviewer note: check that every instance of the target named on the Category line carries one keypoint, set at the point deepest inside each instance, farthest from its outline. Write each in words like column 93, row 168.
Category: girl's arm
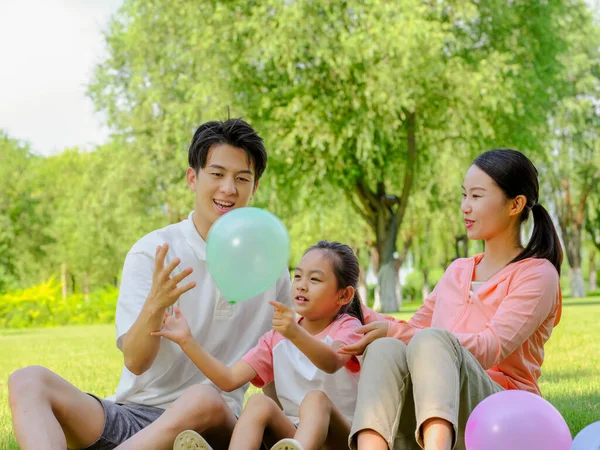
column 225, row 378
column 322, row 355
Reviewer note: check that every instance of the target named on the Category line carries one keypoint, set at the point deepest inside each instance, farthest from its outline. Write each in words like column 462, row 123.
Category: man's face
column 225, row 183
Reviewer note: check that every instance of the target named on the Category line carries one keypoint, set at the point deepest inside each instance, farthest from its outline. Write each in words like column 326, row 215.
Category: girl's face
column 486, row 210
column 315, row 288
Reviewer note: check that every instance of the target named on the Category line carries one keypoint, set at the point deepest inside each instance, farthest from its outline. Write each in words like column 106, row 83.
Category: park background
column 371, row 112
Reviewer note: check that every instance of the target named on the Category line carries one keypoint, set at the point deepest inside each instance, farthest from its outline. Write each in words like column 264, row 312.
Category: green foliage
column 42, row 305
column 412, row 290
column 22, row 217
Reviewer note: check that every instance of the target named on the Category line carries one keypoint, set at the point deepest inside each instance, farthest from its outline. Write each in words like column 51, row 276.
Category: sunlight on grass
column 87, row 356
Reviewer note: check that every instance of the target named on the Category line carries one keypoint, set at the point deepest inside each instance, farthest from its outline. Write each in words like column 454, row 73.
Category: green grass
column 87, row 356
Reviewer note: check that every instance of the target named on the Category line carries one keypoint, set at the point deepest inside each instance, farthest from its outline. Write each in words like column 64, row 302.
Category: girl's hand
column 284, row 320
column 371, row 331
column 174, row 327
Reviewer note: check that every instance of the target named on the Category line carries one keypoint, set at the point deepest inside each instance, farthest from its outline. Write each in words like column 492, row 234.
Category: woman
column 481, row 330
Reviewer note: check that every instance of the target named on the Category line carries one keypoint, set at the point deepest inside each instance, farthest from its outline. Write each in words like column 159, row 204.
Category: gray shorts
column 121, row 421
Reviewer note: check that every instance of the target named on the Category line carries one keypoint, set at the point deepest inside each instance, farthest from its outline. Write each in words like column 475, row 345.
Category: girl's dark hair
column 234, row 132
column 347, row 271
column 516, row 175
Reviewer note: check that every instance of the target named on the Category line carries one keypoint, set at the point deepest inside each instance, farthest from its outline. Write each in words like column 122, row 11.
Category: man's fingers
column 161, row 252
column 182, row 290
column 166, row 272
column 180, row 276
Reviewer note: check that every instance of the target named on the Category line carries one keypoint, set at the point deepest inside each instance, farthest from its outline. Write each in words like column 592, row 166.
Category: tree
column 574, row 166
column 361, row 94
column 22, row 220
column 368, row 91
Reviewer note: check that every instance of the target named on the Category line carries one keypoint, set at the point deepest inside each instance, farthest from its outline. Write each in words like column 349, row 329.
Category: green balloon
column 247, row 250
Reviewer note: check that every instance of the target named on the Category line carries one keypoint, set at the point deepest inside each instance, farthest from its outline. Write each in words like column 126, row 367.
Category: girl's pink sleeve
column 260, row 358
column 534, row 297
column 345, row 332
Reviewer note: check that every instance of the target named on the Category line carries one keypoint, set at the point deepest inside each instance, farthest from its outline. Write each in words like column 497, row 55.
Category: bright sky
column 48, row 49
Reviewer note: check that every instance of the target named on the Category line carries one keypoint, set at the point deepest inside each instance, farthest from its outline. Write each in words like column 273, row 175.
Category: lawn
column 86, row 356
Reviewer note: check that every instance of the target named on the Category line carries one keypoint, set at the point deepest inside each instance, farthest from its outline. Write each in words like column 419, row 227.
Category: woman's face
column 486, row 210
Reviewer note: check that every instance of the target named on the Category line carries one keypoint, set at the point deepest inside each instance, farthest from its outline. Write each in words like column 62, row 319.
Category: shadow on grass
column 578, row 410
column 582, row 303
column 563, row 376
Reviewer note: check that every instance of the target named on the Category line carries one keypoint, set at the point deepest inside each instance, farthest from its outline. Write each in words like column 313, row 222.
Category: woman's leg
column 321, row 423
column 384, row 417
column 448, row 382
column 260, row 413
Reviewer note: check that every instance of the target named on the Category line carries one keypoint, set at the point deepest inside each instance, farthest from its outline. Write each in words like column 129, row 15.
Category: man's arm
column 139, row 347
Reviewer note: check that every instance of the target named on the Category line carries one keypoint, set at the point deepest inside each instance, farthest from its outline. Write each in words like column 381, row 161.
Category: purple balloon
column 588, row 438
column 516, row 420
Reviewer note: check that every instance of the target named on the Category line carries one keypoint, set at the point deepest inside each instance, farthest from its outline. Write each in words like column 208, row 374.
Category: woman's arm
column 379, row 325
column 225, row 378
column 534, row 297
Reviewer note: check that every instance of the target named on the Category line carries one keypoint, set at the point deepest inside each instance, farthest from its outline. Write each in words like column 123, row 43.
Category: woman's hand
column 371, row 331
column 174, row 327
column 284, row 320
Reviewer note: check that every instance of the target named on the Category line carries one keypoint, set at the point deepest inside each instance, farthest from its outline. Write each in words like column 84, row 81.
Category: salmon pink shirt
column 504, row 323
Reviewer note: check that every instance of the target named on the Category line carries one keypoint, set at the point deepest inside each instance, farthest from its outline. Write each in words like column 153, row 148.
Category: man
column 161, row 392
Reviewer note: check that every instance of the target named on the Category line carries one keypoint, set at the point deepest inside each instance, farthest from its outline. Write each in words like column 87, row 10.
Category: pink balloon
column 516, row 420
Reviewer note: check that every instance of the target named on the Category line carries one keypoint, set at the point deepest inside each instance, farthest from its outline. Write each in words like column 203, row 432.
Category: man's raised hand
column 164, row 291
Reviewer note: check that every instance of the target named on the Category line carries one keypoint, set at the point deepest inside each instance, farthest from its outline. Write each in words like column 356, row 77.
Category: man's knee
column 29, row 381
column 203, row 406
column 429, row 342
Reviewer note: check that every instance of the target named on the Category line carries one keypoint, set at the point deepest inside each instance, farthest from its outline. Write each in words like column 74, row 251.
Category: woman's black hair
column 347, row 272
column 516, row 175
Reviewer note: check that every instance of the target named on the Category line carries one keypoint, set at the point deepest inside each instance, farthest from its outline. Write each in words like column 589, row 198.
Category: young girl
column 315, row 384
column 481, row 330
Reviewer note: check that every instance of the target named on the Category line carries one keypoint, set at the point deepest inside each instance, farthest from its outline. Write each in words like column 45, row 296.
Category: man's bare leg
column 49, row 412
column 200, row 408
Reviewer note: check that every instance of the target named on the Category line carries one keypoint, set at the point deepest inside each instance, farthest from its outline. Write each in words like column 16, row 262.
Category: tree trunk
column 362, row 286
column 86, row 287
column 572, row 240
column 388, row 285
column 577, row 284
column 593, row 279
column 570, row 219
column 426, row 286
column 63, row 281
column 384, row 213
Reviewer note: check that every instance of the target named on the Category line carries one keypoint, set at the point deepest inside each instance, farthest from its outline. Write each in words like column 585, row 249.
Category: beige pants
column 401, row 386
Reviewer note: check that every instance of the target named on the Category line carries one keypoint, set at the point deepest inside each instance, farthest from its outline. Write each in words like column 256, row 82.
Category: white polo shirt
column 226, row 331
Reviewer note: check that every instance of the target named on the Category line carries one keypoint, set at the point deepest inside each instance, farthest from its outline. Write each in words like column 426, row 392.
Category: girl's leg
column 321, row 423
column 384, row 416
column 448, row 383
column 259, row 414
